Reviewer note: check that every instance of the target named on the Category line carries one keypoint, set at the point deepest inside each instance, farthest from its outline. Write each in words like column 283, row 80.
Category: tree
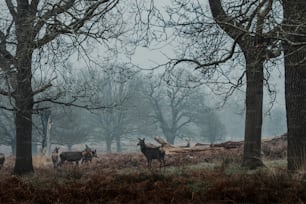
column 175, row 104
column 7, row 129
column 294, row 39
column 115, row 89
column 211, row 128
column 69, row 126
column 254, row 76
column 28, row 29
column 46, row 123
column 246, row 24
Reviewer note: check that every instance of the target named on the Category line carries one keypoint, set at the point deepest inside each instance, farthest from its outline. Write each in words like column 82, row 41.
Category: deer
column 88, row 154
column 2, row 159
column 55, row 157
column 75, row 156
column 152, row 153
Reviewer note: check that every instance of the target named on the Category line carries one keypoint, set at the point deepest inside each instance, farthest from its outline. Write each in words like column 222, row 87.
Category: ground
column 213, row 176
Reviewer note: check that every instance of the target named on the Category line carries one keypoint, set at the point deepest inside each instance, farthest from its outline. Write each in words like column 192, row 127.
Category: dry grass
column 124, row 178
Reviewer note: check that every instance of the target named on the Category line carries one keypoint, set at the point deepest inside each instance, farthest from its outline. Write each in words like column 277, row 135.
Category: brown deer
column 2, row 159
column 152, row 153
column 55, row 157
column 88, row 154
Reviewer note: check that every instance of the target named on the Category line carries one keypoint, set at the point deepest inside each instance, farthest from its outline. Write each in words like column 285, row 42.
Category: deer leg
column 148, row 163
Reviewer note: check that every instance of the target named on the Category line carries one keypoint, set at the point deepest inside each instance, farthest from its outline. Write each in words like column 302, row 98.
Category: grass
column 221, row 181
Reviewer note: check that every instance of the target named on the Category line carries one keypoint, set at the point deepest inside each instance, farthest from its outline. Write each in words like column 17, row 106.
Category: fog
column 136, row 93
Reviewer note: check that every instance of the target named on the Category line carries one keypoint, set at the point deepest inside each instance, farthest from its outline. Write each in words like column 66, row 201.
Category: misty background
column 139, row 98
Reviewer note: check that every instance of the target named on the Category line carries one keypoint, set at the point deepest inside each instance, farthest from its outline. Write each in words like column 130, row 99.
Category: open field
column 194, row 177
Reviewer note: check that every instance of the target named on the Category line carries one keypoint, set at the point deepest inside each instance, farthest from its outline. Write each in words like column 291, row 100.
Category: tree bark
column 253, row 120
column 295, row 82
column 24, row 93
column 23, row 121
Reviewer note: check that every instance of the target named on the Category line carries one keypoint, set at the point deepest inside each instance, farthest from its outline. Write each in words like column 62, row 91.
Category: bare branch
column 224, row 21
column 59, row 27
column 11, row 8
column 203, row 65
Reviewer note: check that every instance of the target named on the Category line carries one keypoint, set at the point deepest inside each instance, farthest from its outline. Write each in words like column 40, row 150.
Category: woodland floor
column 195, row 177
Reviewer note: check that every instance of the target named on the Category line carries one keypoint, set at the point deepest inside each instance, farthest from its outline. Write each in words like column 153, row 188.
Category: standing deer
column 88, row 154
column 77, row 156
column 152, row 153
column 55, row 157
column 71, row 157
column 2, row 159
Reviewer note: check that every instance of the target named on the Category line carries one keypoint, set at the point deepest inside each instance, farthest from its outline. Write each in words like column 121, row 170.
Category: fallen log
column 192, row 149
column 271, row 147
column 163, row 142
column 171, row 149
column 228, row 144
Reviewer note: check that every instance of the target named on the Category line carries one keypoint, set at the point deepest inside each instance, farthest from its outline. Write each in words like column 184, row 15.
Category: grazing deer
column 152, row 153
column 2, row 159
column 55, row 157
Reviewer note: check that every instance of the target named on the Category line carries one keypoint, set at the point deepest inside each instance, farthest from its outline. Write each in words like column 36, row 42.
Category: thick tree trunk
column 295, row 87
column 23, row 93
column 295, row 82
column 253, row 121
column 23, row 120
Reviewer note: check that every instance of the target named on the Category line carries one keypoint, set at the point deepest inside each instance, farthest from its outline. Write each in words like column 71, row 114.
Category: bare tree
column 114, row 88
column 70, row 126
column 248, row 24
column 28, row 28
column 175, row 103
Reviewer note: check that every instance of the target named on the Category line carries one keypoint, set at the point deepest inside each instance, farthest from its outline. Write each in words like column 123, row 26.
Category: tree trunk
column 44, row 117
column 170, row 136
column 23, row 93
column 295, row 83
column 253, row 121
column 253, row 48
column 295, row 87
column 69, row 147
column 118, row 144
column 23, row 121
column 13, row 146
column 108, row 145
column 48, row 135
